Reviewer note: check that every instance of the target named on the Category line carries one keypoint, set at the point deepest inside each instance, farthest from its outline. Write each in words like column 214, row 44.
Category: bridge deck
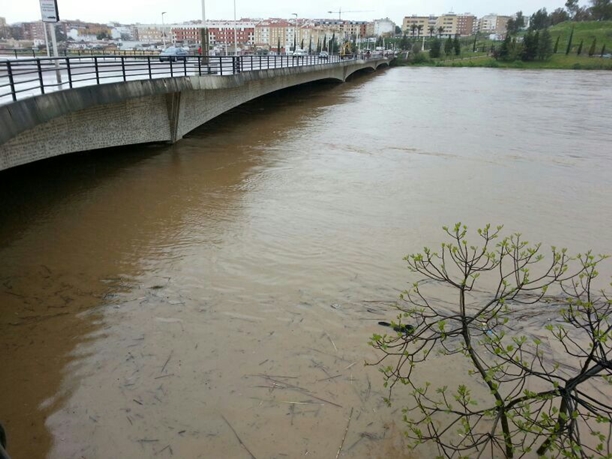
column 22, row 78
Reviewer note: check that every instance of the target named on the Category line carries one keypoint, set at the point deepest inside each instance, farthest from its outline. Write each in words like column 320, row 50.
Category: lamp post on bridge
column 163, row 30
column 294, row 31
column 204, row 42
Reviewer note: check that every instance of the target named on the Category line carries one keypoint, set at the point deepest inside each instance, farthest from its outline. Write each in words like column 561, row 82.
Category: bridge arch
column 143, row 111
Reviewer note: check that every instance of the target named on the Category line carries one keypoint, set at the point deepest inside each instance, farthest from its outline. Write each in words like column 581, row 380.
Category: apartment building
column 493, row 24
column 465, row 24
column 219, row 32
column 152, row 33
column 383, row 27
column 424, row 22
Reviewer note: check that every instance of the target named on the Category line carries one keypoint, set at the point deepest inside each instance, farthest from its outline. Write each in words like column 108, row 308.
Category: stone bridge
column 142, row 111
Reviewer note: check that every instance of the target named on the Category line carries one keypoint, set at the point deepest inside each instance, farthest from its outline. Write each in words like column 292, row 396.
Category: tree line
column 600, row 10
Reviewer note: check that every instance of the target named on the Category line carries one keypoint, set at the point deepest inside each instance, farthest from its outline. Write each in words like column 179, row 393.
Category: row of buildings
column 452, row 24
column 274, row 34
column 271, row 34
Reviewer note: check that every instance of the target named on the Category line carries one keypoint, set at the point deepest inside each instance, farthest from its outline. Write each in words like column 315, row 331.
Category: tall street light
column 163, row 30
column 235, row 32
column 295, row 30
column 204, row 38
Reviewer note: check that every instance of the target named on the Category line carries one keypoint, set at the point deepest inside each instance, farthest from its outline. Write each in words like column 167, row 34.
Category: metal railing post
column 15, row 51
column 69, row 72
column 171, row 70
column 96, row 67
column 185, row 66
column 40, row 77
column 11, row 80
column 149, row 65
column 200, row 65
column 123, row 68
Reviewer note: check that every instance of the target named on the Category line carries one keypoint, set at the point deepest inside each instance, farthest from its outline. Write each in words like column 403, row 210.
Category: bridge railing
column 20, row 78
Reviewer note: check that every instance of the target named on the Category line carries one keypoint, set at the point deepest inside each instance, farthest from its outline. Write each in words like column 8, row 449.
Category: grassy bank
column 584, row 32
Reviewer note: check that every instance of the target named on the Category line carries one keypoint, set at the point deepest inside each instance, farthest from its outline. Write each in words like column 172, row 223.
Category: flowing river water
column 177, row 300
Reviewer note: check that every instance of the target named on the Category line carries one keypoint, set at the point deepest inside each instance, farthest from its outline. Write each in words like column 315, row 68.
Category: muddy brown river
column 198, row 299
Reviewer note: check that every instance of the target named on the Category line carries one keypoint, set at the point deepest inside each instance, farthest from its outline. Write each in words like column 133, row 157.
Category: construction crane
column 340, row 12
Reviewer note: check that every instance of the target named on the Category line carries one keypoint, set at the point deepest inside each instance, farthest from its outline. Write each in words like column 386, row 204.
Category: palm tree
column 432, row 29
column 419, row 28
column 440, row 31
column 413, row 27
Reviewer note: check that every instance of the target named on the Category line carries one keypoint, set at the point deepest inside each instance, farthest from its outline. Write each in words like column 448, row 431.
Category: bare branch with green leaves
column 545, row 392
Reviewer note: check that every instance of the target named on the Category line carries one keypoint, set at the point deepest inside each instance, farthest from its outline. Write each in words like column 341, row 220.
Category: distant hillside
column 586, row 31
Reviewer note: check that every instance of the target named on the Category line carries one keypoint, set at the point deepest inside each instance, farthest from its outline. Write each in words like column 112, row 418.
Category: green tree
column 558, row 16
column 556, row 44
column 432, row 30
column 504, row 50
column 569, row 42
column 398, row 30
column 435, row 51
column 572, row 7
column 579, row 52
column 404, row 42
column 419, row 30
column 413, row 28
column 448, row 46
column 545, row 46
column 440, row 31
column 278, row 45
column 530, row 46
column 511, row 28
column 539, row 20
column 530, row 400
column 474, row 45
column 603, row 50
column 601, row 10
column 457, row 46
column 592, row 49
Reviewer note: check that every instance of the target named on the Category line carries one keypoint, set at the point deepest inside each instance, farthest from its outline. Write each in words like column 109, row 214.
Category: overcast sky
column 149, row 11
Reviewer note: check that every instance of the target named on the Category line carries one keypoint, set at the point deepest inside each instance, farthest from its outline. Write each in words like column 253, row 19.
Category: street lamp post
column 163, row 30
column 235, row 32
column 295, row 31
column 204, row 38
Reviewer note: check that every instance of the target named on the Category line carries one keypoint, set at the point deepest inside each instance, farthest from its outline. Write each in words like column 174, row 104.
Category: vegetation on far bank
column 567, row 45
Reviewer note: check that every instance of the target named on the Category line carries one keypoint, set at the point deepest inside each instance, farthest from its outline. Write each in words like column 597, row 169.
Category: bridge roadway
column 135, row 100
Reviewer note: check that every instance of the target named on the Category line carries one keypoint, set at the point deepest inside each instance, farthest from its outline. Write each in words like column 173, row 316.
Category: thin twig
column 332, row 341
column 345, row 433
column 239, row 439
column 168, row 360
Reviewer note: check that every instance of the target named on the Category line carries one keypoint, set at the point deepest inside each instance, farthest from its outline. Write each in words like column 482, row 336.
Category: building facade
column 411, row 24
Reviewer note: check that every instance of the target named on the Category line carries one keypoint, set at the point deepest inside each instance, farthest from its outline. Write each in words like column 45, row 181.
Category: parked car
column 323, row 55
column 299, row 53
column 173, row 54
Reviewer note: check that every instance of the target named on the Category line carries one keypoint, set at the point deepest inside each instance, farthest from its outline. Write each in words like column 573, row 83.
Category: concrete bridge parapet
column 159, row 110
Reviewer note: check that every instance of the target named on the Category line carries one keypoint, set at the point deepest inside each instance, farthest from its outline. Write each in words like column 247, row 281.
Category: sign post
column 50, row 15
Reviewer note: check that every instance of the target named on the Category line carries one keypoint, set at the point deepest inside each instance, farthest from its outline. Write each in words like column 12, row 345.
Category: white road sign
column 48, row 9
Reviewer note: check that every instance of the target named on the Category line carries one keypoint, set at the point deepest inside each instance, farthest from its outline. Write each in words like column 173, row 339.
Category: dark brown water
column 152, row 296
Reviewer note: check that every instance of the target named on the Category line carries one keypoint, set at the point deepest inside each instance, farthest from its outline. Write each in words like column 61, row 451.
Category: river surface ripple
column 152, row 296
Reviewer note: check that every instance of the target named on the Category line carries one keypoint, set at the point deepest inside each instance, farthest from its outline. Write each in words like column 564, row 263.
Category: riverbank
column 556, row 62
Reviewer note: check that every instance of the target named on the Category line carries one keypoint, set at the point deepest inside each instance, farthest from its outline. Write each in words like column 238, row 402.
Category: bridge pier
column 173, row 104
